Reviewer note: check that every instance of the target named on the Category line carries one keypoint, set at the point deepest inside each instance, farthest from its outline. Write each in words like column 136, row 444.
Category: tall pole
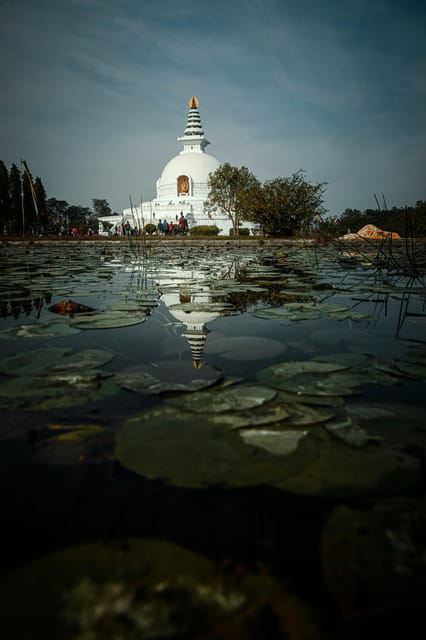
column 22, row 199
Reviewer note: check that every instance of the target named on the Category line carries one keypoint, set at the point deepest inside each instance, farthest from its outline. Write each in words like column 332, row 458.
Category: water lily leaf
column 265, row 414
column 300, row 311
column 53, row 329
column 168, row 376
column 350, row 433
column 303, row 415
column 84, row 359
column 345, row 359
column 377, row 552
column 279, row 443
column 188, row 450
column 245, row 348
column 31, row 362
column 107, row 320
column 277, row 375
column 201, row 307
column 342, row 471
column 230, row 399
column 325, row 401
column 356, row 340
column 412, row 369
column 340, row 383
column 144, row 589
column 42, row 393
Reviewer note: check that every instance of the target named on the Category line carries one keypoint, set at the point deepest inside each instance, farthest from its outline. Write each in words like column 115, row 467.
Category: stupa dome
column 195, row 165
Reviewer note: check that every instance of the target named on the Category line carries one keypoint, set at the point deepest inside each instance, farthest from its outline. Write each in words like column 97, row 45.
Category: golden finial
column 193, row 103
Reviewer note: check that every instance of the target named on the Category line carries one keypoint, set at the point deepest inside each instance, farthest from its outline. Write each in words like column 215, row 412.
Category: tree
column 4, row 197
column 41, row 196
column 15, row 218
column 230, row 188
column 101, row 207
column 285, row 206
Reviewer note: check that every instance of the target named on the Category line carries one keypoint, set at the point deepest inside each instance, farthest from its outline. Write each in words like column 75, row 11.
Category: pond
column 216, row 440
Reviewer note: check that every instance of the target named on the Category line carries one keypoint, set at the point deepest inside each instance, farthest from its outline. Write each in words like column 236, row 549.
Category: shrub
column 244, row 231
column 205, row 230
column 150, row 229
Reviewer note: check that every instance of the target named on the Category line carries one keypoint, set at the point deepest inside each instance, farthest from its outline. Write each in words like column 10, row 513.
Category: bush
column 244, row 231
column 150, row 229
column 205, row 230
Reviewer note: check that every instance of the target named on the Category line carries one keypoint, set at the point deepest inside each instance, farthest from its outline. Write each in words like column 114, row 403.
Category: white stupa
column 182, row 186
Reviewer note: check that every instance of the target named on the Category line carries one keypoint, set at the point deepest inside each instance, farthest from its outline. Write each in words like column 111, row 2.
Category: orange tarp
column 371, row 232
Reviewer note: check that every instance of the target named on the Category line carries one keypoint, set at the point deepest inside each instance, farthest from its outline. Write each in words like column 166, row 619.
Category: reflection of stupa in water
column 176, row 295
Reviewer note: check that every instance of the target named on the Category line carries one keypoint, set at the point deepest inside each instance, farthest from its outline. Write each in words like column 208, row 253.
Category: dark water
column 57, row 493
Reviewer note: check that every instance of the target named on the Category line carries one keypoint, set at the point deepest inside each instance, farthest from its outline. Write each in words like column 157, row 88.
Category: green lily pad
column 279, row 443
column 107, row 320
column 144, row 588
column 245, row 348
column 188, row 450
column 31, row 362
column 300, row 311
column 378, row 553
column 53, row 329
column 53, row 360
column 277, row 375
column 168, row 376
column 236, row 398
column 265, row 414
column 42, row 393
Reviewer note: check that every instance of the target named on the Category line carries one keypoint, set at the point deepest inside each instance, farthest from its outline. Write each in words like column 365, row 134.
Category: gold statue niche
column 183, row 185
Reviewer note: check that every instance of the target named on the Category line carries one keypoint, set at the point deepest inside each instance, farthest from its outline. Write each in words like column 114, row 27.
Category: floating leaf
column 167, row 376
column 31, row 362
column 144, row 589
column 279, row 443
column 54, row 329
column 378, row 553
column 277, row 375
column 231, row 399
column 245, row 348
column 107, row 320
column 190, row 451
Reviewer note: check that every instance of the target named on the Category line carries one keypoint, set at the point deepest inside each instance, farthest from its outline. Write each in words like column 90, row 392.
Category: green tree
column 101, row 207
column 41, row 196
column 287, row 206
column 15, row 218
column 4, row 197
column 230, row 188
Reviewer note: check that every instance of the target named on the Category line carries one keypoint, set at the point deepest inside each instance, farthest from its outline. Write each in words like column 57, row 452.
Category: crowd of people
column 179, row 226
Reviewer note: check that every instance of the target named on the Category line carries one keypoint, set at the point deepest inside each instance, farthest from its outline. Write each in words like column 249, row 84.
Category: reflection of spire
column 197, row 339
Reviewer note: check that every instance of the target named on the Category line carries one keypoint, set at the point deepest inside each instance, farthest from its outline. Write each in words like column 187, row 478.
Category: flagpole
column 22, row 199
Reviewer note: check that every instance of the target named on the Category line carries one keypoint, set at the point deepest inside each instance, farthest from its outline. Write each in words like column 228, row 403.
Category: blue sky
column 95, row 93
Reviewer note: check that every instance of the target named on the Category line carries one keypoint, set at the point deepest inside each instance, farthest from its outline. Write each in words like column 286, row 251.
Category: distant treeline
column 406, row 221
column 25, row 210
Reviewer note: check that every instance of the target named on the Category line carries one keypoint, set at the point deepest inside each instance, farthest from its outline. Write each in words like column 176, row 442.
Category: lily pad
column 168, row 376
column 188, row 450
column 277, row 375
column 54, row 329
column 245, row 348
column 236, row 398
column 42, row 393
column 378, row 554
column 144, row 589
column 279, row 443
column 53, row 360
column 107, row 320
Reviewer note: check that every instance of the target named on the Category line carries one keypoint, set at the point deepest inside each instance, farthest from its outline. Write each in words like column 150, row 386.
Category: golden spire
column 193, row 103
